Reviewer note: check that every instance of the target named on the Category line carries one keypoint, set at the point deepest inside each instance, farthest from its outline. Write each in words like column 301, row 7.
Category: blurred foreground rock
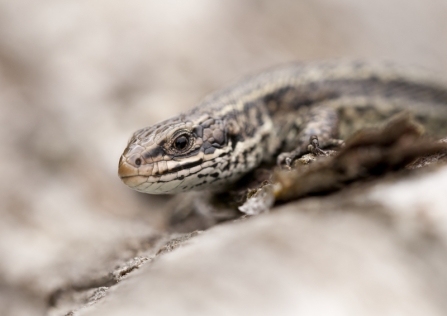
column 377, row 248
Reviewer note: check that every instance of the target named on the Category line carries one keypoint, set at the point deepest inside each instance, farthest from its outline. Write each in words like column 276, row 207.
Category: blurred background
column 78, row 77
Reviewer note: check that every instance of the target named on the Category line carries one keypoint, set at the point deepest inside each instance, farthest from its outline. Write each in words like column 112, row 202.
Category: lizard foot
column 286, row 159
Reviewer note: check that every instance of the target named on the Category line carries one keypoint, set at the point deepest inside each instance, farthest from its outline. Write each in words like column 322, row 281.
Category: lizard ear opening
column 233, row 132
column 233, row 128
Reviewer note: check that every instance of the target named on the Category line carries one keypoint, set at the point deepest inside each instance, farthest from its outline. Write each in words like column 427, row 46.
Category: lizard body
column 234, row 130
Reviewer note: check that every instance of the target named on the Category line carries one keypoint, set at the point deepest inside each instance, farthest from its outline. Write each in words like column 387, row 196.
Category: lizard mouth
column 159, row 177
column 167, row 177
column 129, row 174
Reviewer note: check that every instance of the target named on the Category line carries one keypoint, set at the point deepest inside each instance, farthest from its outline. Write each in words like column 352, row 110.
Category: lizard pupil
column 181, row 142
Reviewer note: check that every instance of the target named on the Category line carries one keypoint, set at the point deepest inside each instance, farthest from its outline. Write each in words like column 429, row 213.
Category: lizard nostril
column 138, row 161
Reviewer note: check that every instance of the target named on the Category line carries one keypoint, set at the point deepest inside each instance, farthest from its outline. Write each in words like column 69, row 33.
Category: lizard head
column 176, row 155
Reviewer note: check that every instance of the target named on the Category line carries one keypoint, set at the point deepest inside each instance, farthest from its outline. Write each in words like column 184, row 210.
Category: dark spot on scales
column 235, row 139
column 154, row 152
column 222, row 155
column 198, row 130
column 207, row 123
column 214, row 175
column 210, row 150
column 227, row 167
column 264, row 138
column 189, row 165
column 206, row 145
column 204, row 182
column 245, row 154
column 250, row 130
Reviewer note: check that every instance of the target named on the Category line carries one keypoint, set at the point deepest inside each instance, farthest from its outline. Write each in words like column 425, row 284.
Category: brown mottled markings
column 280, row 103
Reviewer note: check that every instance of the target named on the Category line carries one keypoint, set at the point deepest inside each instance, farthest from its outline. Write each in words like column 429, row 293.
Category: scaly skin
column 232, row 131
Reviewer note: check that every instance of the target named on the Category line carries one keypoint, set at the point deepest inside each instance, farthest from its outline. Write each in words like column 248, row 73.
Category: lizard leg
column 314, row 146
column 318, row 131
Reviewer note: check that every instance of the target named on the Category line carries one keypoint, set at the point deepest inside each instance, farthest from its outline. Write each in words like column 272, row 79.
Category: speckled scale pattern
column 233, row 130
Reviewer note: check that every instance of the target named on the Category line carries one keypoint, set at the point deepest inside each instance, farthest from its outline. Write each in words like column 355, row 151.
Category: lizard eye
column 181, row 142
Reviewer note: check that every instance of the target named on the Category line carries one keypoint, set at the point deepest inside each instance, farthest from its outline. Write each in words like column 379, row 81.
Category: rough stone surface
column 379, row 250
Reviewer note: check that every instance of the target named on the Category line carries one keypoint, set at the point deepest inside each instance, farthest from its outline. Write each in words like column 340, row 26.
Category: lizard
column 278, row 114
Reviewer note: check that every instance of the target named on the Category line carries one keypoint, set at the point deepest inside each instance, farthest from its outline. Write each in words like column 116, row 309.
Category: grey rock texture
column 376, row 249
